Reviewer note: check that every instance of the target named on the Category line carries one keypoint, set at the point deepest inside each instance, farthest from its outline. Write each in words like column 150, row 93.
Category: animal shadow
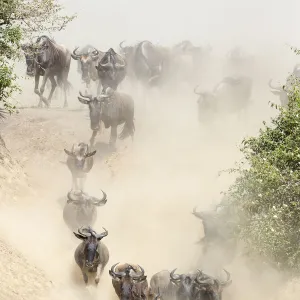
column 103, row 150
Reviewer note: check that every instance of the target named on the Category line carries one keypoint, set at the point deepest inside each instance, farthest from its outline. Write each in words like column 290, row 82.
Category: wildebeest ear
column 91, row 153
column 97, row 67
column 83, row 101
column 80, row 236
column 68, row 152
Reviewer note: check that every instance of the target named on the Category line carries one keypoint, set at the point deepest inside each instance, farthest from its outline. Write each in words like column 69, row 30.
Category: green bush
column 264, row 201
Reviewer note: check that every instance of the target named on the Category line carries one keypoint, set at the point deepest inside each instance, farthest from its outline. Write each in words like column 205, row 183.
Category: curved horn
column 173, row 276
column 90, row 97
column 86, row 234
column 112, row 271
column 71, row 199
column 120, row 45
column 102, row 235
column 228, row 279
column 102, row 201
column 195, row 90
column 274, row 87
column 75, row 55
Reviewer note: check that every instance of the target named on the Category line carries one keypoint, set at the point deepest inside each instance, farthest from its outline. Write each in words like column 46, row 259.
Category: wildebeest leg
column 85, row 277
column 100, row 270
column 113, row 135
column 36, row 88
column 42, row 88
column 92, row 139
column 53, row 87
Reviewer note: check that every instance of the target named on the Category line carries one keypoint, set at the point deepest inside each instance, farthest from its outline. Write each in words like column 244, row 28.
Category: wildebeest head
column 185, row 283
column 80, row 152
column 94, row 104
column 87, row 62
column 29, row 52
column 210, row 288
column 130, row 285
column 47, row 53
column 85, row 203
column 111, row 64
column 91, row 242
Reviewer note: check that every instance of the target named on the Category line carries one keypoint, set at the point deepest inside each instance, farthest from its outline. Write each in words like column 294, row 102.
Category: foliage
column 21, row 19
column 265, row 196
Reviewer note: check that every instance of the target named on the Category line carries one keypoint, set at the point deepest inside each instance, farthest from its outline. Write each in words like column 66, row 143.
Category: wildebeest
column 129, row 284
column 91, row 255
column 80, row 209
column 232, row 94
column 218, row 235
column 146, row 61
column 111, row 69
column 284, row 91
column 161, row 284
column 199, row 286
column 80, row 161
column 209, row 287
column 50, row 60
column 113, row 109
column 88, row 58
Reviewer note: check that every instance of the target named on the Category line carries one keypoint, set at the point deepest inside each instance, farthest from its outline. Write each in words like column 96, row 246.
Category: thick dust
column 172, row 165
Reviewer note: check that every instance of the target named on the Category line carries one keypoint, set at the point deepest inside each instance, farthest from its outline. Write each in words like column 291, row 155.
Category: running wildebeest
column 218, row 236
column 91, row 255
column 50, row 60
column 284, row 91
column 111, row 69
column 88, row 59
column 113, row 109
column 208, row 287
column 81, row 209
column 146, row 62
column 161, row 284
column 129, row 285
column 232, row 94
column 80, row 161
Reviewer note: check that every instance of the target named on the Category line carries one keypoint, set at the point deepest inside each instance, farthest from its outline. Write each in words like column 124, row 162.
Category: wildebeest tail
column 128, row 129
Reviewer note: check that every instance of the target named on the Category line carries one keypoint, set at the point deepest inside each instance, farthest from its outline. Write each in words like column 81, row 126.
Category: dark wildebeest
column 88, row 58
column 80, row 209
column 113, row 109
column 91, row 255
column 129, row 285
column 80, row 161
column 210, row 288
column 147, row 62
column 50, row 60
column 232, row 94
column 111, row 69
column 284, row 91
column 218, row 235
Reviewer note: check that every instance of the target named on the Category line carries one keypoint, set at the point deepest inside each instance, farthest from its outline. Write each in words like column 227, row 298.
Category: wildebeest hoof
column 97, row 279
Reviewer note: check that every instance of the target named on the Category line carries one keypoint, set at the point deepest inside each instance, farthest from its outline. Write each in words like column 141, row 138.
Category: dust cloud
column 172, row 165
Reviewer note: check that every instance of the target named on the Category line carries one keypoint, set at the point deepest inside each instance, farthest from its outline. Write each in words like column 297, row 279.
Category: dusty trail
column 152, row 186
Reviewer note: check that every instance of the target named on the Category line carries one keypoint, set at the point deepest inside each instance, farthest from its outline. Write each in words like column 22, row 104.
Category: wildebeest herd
column 151, row 65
